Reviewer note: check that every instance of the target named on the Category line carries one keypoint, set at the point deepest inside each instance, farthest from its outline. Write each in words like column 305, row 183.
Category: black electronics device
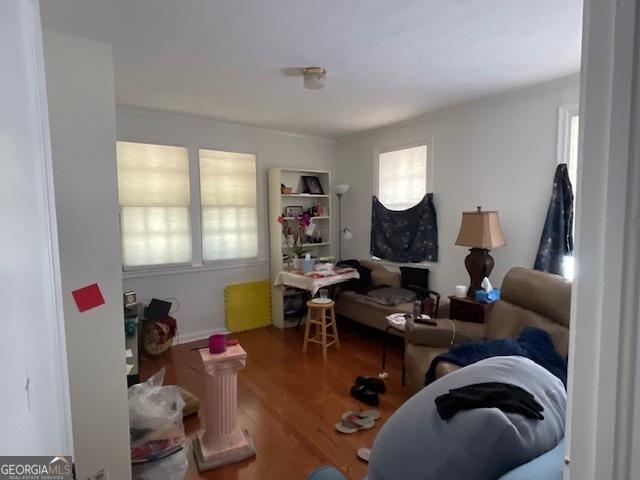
column 157, row 309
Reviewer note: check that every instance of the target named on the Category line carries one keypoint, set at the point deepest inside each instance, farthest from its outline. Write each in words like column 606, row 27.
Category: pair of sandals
column 355, row 420
column 367, row 390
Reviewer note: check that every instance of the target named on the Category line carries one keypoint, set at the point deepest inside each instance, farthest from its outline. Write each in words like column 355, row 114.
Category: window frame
column 197, row 263
column 380, row 150
column 563, row 155
column 565, row 113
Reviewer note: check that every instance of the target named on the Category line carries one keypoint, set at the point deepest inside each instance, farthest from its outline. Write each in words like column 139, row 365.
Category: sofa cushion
column 392, row 296
column 540, row 292
column 358, row 307
column 416, row 444
column 385, row 277
column 415, row 359
column 446, row 333
column 508, row 320
column 380, row 275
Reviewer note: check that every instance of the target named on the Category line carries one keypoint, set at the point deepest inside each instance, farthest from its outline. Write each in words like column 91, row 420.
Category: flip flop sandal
column 371, row 383
column 352, row 424
column 372, row 414
column 364, row 395
column 364, row 454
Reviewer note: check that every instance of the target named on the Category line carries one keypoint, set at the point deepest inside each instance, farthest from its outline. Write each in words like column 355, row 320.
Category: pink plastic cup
column 218, row 343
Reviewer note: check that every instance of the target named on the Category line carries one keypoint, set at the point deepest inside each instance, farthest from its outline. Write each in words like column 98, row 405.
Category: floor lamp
column 345, row 233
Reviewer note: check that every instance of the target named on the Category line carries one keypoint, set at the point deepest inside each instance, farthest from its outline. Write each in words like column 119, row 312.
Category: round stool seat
column 321, row 315
column 321, row 305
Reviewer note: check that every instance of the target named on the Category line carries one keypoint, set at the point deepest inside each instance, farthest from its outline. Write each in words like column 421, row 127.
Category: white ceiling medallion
column 314, row 77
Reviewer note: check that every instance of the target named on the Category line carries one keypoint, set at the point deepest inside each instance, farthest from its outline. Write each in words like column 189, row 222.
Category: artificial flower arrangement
column 295, row 235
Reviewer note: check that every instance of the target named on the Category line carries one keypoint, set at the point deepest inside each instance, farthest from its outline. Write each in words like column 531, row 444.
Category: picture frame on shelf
column 312, row 185
column 294, row 211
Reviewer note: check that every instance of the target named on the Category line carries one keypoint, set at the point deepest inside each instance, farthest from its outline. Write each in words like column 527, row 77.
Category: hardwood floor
column 290, row 402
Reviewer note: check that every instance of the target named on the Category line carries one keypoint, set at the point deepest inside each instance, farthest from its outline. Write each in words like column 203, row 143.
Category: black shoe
column 364, row 395
column 372, row 383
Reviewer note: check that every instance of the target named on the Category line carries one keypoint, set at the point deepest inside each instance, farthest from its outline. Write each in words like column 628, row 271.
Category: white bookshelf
column 278, row 202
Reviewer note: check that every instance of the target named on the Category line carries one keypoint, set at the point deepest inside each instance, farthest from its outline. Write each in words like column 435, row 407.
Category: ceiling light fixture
column 314, row 77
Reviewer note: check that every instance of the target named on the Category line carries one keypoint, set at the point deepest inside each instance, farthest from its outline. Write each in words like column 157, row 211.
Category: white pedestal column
column 223, row 441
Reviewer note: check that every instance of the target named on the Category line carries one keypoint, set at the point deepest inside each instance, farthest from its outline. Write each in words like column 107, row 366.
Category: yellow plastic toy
column 247, row 305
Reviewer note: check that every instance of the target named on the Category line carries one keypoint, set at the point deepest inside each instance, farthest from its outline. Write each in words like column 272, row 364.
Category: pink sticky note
column 88, row 297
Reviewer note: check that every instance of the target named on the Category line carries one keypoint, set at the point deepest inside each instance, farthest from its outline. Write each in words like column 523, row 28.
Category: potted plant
column 294, row 236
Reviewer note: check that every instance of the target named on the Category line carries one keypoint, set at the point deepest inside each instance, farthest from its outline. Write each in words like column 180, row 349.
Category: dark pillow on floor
column 416, row 279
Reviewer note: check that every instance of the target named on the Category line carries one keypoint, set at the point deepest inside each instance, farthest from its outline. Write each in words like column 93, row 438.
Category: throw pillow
column 416, row 279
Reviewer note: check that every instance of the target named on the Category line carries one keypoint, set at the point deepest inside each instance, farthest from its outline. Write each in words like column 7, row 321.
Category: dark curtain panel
column 407, row 235
column 557, row 235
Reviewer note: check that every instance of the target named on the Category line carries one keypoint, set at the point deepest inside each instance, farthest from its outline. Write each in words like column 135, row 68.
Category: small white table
column 312, row 282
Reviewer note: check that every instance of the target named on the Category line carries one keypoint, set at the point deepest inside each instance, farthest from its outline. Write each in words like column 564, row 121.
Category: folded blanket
column 392, row 296
column 533, row 343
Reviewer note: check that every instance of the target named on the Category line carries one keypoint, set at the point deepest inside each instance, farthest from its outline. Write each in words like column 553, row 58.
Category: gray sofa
column 363, row 310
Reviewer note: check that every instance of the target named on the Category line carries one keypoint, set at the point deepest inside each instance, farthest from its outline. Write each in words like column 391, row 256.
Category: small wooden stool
column 317, row 315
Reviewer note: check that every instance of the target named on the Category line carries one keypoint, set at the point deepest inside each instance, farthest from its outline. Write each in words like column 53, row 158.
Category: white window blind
column 402, row 177
column 153, row 187
column 229, row 209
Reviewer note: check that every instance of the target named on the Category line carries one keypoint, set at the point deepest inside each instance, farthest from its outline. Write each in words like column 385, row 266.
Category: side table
column 468, row 310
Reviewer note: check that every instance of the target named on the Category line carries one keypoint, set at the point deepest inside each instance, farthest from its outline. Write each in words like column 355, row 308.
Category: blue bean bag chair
column 548, row 466
column 479, row 444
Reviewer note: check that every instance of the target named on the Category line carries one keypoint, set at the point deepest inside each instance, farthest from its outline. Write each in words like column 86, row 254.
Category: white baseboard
column 181, row 338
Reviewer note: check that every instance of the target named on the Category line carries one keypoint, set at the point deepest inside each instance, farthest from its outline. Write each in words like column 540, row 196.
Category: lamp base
column 479, row 265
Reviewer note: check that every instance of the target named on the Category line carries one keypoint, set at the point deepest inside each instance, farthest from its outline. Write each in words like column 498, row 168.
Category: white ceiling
column 387, row 60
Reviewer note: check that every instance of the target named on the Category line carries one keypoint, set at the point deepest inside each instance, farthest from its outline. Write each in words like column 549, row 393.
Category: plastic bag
column 155, row 419
column 173, row 467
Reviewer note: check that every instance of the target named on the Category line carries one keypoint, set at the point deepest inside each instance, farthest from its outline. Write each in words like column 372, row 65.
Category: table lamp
column 481, row 231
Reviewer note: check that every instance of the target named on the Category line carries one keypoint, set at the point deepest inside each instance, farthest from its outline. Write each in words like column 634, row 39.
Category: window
column 402, row 177
column 572, row 164
column 153, row 186
column 156, row 212
column 229, row 208
column 568, row 130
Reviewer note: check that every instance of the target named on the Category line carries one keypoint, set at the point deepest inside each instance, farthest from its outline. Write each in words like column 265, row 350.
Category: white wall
column 34, row 404
column 200, row 289
column 498, row 152
column 82, row 117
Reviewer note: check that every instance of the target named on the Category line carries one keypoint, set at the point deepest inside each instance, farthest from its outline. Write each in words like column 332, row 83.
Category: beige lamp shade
column 481, row 229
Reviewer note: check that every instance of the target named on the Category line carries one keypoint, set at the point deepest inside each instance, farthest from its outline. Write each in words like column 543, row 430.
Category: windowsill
column 388, row 263
column 182, row 269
